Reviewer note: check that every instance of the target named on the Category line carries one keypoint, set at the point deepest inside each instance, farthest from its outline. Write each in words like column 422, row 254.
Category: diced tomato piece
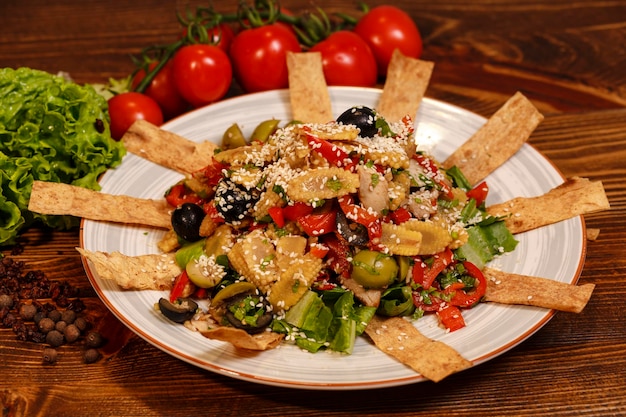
column 211, row 211
column 338, row 253
column 212, row 173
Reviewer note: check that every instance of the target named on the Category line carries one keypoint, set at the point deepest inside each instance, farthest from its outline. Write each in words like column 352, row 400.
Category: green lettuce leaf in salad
column 51, row 129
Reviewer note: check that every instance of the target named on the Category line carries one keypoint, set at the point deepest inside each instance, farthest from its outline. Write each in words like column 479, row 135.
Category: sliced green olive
column 233, row 290
column 233, row 137
column 200, row 275
column 264, row 130
column 374, row 269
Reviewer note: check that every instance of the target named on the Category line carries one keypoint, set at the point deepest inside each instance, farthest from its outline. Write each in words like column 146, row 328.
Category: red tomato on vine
column 347, row 60
column 259, row 57
column 163, row 90
column 387, row 28
column 202, row 73
column 125, row 108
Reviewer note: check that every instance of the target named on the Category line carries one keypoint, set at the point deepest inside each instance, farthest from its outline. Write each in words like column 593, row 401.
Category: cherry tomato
column 347, row 60
column 221, row 36
column 163, row 90
column 259, row 57
column 202, row 73
column 387, row 28
column 125, row 108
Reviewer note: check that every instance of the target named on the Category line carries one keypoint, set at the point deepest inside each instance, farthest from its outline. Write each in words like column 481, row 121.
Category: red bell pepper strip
column 319, row 250
column 461, row 298
column 277, row 215
column 451, row 318
column 362, row 216
column 430, row 167
column 180, row 283
column 425, row 275
column 332, row 153
column 479, row 193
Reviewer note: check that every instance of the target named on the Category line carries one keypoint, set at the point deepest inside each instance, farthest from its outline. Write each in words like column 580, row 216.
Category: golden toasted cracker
column 143, row 272
column 404, row 88
column 242, row 340
column 508, row 288
column 64, row 199
column 166, row 148
column 592, row 233
column 574, row 197
column 497, row 140
column 399, row 338
column 308, row 93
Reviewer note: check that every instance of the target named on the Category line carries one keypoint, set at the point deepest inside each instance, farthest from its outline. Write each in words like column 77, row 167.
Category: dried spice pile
column 44, row 311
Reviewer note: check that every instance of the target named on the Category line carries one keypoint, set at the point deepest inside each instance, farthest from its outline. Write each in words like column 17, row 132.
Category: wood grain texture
column 567, row 57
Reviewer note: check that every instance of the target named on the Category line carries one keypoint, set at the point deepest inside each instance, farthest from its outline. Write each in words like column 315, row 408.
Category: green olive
column 264, row 130
column 233, row 137
column 200, row 275
column 374, row 269
column 232, row 290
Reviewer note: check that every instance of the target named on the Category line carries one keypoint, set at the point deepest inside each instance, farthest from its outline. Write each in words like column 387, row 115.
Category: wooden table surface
column 568, row 57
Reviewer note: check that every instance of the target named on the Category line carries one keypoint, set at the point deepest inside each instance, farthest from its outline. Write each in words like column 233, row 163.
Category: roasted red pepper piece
column 277, row 215
column 296, row 210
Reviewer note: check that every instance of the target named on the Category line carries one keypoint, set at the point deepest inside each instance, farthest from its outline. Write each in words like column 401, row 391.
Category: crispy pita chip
column 508, row 288
column 143, row 272
column 406, row 83
column 166, row 148
column 497, row 140
column 243, row 340
column 308, row 92
column 63, row 199
column 574, row 197
column 399, row 338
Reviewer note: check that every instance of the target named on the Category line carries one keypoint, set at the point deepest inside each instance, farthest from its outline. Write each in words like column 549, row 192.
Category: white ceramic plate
column 556, row 251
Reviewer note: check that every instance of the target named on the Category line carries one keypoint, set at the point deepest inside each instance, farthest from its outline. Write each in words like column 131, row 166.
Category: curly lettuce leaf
column 51, row 130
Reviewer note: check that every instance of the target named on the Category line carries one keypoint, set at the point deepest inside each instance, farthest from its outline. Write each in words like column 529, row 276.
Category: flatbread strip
column 65, row 199
column 242, row 340
column 497, row 140
column 399, row 338
column 405, row 86
column 166, row 148
column 308, row 92
column 574, row 197
column 143, row 272
column 508, row 288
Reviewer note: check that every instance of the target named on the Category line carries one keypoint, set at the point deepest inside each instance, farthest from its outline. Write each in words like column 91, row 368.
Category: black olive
column 362, row 117
column 354, row 233
column 180, row 311
column 186, row 221
column 262, row 321
column 234, row 202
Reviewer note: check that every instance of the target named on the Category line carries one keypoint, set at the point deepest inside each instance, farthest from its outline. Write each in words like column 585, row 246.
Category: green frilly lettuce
column 51, row 130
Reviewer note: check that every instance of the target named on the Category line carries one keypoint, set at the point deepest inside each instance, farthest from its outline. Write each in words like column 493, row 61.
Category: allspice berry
column 49, row 355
